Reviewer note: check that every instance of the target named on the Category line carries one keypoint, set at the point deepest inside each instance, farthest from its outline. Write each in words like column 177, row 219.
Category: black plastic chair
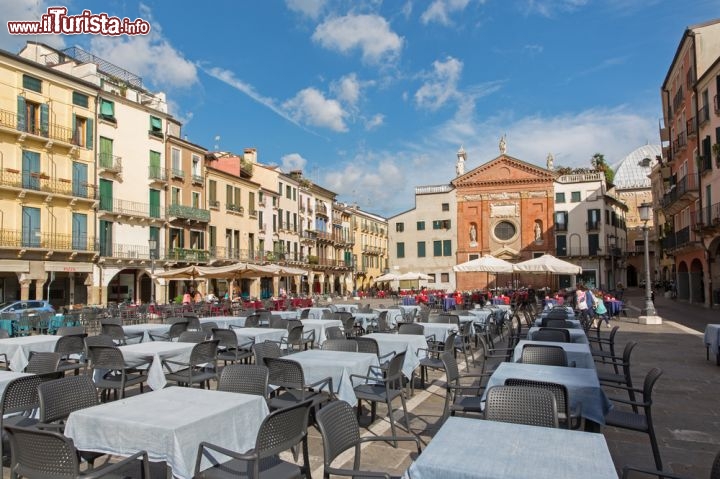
column 245, row 379
column 193, row 336
column 623, row 380
column 384, row 389
column 267, row 349
column 411, row 328
column 200, row 369
column 567, row 418
column 558, row 335
column 340, row 431
column 72, row 350
column 176, row 329
column 432, row 359
column 521, row 405
column 63, row 396
column 543, row 354
column 288, row 376
column 43, row 362
column 113, row 373
column 461, row 397
column 280, row 431
column 346, row 345
column 334, row 332
column 636, row 421
column 229, row 347
column 714, row 471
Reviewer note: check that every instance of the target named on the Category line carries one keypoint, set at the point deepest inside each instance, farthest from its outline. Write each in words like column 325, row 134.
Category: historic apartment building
column 688, row 108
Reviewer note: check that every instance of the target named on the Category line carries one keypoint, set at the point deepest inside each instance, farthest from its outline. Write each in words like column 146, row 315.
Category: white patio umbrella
column 488, row 264
column 387, row 277
column 547, row 263
column 412, row 276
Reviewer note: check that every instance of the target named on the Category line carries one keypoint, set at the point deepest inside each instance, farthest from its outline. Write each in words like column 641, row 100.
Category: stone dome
column 633, row 170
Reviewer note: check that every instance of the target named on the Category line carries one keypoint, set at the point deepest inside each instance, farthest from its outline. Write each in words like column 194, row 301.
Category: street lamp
column 612, row 240
column 645, row 210
column 152, row 243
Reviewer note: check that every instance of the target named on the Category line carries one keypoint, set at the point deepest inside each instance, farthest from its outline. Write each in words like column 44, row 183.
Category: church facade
column 505, row 208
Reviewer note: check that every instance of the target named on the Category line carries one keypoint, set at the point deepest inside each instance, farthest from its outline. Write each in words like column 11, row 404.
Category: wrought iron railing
column 188, row 212
column 52, row 131
column 46, row 240
column 45, row 183
column 110, row 162
column 157, row 173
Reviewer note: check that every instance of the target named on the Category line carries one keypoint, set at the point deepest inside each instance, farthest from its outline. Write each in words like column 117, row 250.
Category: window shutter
column 75, row 139
column 89, row 134
column 21, row 121
column 44, row 119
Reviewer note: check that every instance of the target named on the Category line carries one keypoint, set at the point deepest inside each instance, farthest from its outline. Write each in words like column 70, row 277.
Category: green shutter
column 106, row 149
column 21, row 121
column 437, row 248
column 44, row 119
column 32, row 83
column 155, row 235
column 155, row 203
column 79, row 99
column 155, row 123
column 89, row 134
column 106, row 195
column 154, row 164
column 107, row 108
column 76, row 140
column 447, row 248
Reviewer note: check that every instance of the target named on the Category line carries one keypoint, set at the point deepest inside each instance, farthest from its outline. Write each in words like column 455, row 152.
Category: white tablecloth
column 320, row 325
column 582, row 384
column 7, row 376
column 398, row 343
column 350, row 308
column 169, row 424
column 393, row 315
column 339, row 365
column 18, row 349
column 146, row 329
column 576, row 352
column 516, row 451
column 286, row 314
column 224, row 322
column 576, row 335
column 366, row 319
column 439, row 330
column 315, row 313
column 259, row 335
column 156, row 351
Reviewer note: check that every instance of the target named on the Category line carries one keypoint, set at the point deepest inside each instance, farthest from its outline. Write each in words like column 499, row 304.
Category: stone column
column 92, row 297
column 275, row 285
column 39, row 284
column 24, row 288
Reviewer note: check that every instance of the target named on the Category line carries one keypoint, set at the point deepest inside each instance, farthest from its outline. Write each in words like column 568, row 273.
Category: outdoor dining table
column 339, row 365
column 154, row 352
column 439, row 331
column 319, row 326
column 481, row 315
column 405, row 308
column 285, row 314
column 7, row 376
column 170, row 424
column 393, row 314
column 577, row 353
column 582, row 384
column 365, row 319
column 712, row 341
column 349, row 308
column 518, row 451
column 146, row 329
column 224, row 322
column 574, row 322
column 576, row 335
column 259, row 335
column 413, row 345
column 18, row 349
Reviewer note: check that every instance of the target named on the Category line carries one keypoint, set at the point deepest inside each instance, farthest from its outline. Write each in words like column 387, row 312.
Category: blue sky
column 372, row 98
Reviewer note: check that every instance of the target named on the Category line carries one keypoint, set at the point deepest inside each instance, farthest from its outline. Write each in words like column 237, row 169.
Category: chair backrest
column 62, row 396
column 393, row 377
column 451, row 368
column 305, row 313
column 106, row 357
column 367, row 345
column 448, row 318
column 648, row 384
column 21, row 394
column 99, row 340
column 555, row 323
column 543, row 354
column 557, row 313
column 521, row 405
column 193, row 321
column 295, row 334
column 245, row 379
column 192, row 337
column 42, row 454
column 348, row 321
column 176, row 319
column 436, row 318
column 285, row 373
column 177, row 328
column 208, row 327
column 347, row 345
column 559, row 335
column 339, row 428
column 43, row 362
column 281, row 430
column 204, row 352
column 424, row 315
column 252, row 321
column 264, row 350
column 70, row 330
column 71, row 344
column 411, row 328
column 278, row 322
column 334, row 332
column 115, row 331
column 226, row 337
column 559, row 391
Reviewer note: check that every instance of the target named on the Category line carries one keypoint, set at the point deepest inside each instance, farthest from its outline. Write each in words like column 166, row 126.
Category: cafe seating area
column 170, row 396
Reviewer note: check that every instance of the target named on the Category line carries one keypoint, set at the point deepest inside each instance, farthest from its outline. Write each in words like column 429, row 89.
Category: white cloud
column 150, row 56
column 347, row 89
column 440, row 10
column 293, row 161
column 551, row 8
column 30, row 10
column 374, row 122
column 310, row 106
column 309, row 8
column 533, row 48
column 441, row 85
column 369, row 33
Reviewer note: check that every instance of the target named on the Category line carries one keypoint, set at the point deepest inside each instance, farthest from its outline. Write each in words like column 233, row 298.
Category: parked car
column 30, row 306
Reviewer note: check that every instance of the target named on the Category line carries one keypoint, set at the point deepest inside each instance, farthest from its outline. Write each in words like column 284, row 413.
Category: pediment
column 506, row 253
column 504, row 169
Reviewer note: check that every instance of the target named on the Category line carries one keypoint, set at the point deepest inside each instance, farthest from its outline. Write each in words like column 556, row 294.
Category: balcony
column 188, row 213
column 246, row 169
column 325, row 237
column 47, row 241
column 681, row 195
column 214, row 204
column 372, row 250
column 187, row 255
column 157, row 174
column 156, row 134
column 321, row 209
column 690, row 127
column 308, row 236
column 47, row 133
column 127, row 251
column 109, row 164
column 561, row 227
column 680, row 142
column 705, row 163
column 177, row 174
column 234, row 209
column 680, row 239
column 253, row 213
column 593, row 225
column 40, row 183
column 197, row 179
column 703, row 114
column 708, row 219
column 129, row 210
column 580, row 251
column 262, row 229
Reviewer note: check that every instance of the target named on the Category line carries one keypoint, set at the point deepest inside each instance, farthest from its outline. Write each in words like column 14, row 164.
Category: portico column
column 25, row 289
column 39, row 283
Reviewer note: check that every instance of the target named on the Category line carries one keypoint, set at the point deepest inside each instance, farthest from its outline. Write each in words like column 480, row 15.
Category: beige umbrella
column 188, row 272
